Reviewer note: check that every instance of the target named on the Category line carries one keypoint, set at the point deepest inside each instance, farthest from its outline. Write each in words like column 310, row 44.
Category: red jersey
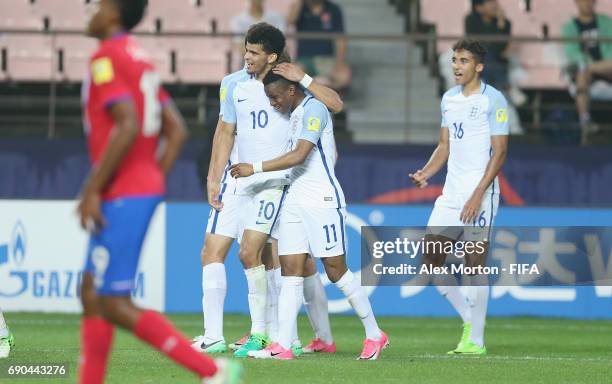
column 120, row 71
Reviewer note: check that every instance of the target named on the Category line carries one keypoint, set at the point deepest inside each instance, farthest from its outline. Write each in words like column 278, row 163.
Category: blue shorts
column 113, row 253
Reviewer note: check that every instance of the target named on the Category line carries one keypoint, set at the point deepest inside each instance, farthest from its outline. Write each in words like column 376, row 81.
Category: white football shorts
column 319, row 232
column 445, row 218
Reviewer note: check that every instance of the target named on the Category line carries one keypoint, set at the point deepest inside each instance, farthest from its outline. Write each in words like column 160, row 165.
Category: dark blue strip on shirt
column 331, row 180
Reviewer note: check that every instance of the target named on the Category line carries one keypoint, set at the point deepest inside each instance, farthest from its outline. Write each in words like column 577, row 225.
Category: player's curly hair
column 271, row 38
column 131, row 11
column 473, row 46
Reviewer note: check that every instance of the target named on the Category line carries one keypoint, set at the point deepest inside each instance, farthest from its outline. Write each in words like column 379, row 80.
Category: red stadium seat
column 201, row 60
column 30, row 57
column 63, row 14
column 19, row 15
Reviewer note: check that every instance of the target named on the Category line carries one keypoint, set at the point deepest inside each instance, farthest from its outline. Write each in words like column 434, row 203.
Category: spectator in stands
column 488, row 18
column 324, row 59
column 240, row 24
column 590, row 61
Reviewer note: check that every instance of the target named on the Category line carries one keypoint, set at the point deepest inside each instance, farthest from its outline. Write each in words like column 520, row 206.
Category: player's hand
column 419, row 178
column 90, row 211
column 289, row 71
column 241, row 170
column 213, row 189
column 470, row 209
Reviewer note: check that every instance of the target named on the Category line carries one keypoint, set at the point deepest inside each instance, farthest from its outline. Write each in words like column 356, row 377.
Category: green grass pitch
column 521, row 350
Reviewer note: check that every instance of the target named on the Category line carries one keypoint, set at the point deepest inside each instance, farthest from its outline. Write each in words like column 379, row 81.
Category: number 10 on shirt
column 259, row 118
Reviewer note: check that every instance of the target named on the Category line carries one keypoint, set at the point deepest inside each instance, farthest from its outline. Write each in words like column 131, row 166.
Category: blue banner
column 532, row 175
column 186, row 223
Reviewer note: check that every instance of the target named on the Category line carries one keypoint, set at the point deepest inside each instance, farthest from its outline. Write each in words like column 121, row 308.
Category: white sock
column 447, row 286
column 478, row 294
column 289, row 303
column 360, row 302
column 278, row 279
column 315, row 302
column 272, row 305
column 4, row 332
column 214, row 287
column 279, row 284
column 256, row 281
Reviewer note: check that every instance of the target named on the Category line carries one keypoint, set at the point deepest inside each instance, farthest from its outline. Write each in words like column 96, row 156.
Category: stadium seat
column 201, row 60
column 30, row 57
column 63, row 14
column 77, row 51
column 20, row 15
column 447, row 23
column 175, row 16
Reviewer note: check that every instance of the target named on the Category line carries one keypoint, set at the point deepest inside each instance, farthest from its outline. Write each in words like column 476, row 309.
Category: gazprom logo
column 18, row 277
column 15, row 254
column 19, row 243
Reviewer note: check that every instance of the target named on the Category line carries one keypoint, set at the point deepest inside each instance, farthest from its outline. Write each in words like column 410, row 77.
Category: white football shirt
column 471, row 122
column 314, row 182
column 261, row 131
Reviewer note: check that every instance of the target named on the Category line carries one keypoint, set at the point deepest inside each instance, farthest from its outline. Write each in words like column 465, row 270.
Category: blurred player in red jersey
column 126, row 111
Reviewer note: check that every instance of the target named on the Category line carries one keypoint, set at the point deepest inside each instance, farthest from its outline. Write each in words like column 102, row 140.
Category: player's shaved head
column 131, row 12
column 268, row 36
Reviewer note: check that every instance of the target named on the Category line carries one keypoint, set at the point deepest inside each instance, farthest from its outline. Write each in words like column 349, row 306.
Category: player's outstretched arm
column 288, row 160
column 223, row 141
column 436, row 161
column 324, row 94
column 174, row 131
column 499, row 146
column 121, row 139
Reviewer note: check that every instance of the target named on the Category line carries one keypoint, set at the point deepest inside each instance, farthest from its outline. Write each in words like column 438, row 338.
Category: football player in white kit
column 312, row 217
column 257, row 131
column 473, row 142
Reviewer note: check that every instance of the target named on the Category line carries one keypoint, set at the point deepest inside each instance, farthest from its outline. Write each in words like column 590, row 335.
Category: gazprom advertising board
column 42, row 252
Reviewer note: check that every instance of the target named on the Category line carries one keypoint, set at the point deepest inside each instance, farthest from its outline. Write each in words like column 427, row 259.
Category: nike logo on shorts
column 241, row 100
column 329, row 248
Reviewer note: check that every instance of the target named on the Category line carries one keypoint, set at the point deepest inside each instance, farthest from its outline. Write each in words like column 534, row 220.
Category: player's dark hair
column 272, row 77
column 268, row 36
column 131, row 12
column 473, row 46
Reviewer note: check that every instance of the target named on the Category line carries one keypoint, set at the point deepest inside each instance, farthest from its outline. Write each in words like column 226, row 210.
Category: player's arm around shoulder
column 314, row 121
column 326, row 95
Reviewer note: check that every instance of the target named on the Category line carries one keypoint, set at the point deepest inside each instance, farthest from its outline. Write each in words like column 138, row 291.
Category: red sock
column 154, row 329
column 96, row 341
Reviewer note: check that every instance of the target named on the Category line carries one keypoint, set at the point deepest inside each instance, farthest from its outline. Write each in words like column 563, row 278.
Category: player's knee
column 335, row 270
column 248, row 256
column 209, row 255
column 310, row 268
column 292, row 270
column 118, row 310
column 267, row 257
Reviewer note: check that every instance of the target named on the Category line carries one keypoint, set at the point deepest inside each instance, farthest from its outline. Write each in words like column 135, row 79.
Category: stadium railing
column 40, row 73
